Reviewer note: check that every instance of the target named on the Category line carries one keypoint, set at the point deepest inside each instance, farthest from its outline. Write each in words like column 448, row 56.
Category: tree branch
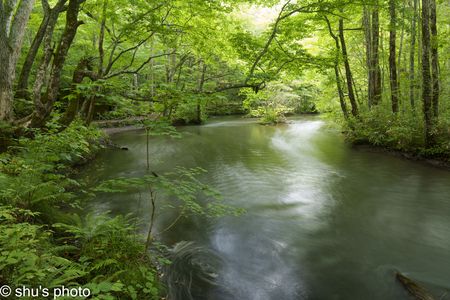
column 139, row 68
column 255, row 87
column 113, row 61
column 269, row 41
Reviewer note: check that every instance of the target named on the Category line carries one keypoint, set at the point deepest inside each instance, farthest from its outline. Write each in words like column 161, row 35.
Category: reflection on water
column 324, row 221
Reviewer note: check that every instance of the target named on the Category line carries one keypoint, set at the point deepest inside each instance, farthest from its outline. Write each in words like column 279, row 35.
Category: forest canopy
column 97, row 59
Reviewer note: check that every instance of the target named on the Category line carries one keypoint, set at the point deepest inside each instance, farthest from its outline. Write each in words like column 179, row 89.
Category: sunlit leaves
column 181, row 185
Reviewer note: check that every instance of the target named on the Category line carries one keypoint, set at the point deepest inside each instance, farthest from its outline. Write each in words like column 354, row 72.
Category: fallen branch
column 414, row 289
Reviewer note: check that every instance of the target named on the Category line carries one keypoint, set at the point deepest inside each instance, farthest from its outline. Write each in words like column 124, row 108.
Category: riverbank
column 439, row 163
column 401, row 135
column 114, row 130
column 112, row 127
column 47, row 241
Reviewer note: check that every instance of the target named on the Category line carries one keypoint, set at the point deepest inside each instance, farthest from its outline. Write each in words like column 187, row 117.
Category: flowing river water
column 322, row 221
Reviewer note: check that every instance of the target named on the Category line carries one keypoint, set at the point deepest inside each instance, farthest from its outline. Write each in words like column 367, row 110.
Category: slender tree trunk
column 419, row 48
column 152, row 220
column 201, row 82
column 90, row 109
column 101, row 51
column 377, row 88
column 13, row 20
column 348, row 73
column 372, row 39
column 392, row 57
column 368, row 43
column 412, row 84
column 426, row 74
column 402, row 36
column 171, row 67
column 434, row 59
column 400, row 69
column 383, row 64
column 340, row 92
column 355, row 89
column 336, row 70
column 152, row 78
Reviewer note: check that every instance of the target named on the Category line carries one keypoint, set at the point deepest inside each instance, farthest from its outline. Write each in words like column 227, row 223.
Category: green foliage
column 160, row 127
column 279, row 99
column 6, row 135
column 33, row 171
column 401, row 131
column 381, row 127
column 187, row 111
column 27, row 255
column 113, row 256
column 97, row 252
column 181, row 185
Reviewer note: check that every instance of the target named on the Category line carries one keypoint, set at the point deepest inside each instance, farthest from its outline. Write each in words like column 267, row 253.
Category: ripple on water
column 324, row 221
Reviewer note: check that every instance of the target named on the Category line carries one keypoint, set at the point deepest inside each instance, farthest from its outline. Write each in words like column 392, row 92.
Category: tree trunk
column 348, row 73
column 412, row 85
column 201, row 82
column 392, row 57
column 13, row 20
column 40, row 116
column 336, row 70
column 101, row 51
column 426, row 74
column 22, row 84
column 368, row 43
column 91, row 111
column 419, row 47
column 434, row 59
column 83, row 69
column 377, row 88
column 6, row 83
column 90, row 105
column 49, row 20
column 372, row 40
column 171, row 67
column 402, row 36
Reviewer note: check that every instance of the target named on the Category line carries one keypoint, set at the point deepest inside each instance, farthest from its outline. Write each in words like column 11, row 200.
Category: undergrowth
column 44, row 243
column 403, row 131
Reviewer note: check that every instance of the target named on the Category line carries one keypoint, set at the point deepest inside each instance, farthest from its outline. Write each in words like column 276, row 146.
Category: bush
column 98, row 252
column 34, row 172
column 403, row 131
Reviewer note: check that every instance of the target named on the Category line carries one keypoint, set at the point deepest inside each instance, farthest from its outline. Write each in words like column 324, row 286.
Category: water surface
column 323, row 221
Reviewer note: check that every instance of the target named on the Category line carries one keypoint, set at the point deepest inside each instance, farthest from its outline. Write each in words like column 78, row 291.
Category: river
column 322, row 221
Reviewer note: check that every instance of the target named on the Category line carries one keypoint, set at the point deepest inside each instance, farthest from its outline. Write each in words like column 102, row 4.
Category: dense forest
column 378, row 70
column 385, row 66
